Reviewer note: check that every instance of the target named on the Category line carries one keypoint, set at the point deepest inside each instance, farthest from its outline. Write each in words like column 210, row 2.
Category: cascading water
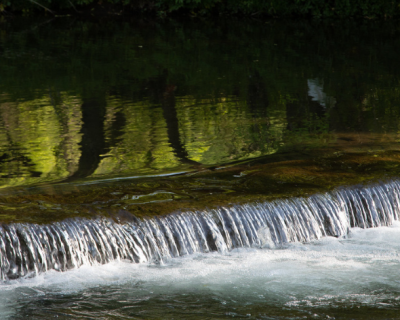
column 29, row 249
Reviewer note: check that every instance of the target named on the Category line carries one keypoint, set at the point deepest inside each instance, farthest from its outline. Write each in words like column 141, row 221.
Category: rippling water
column 91, row 100
column 83, row 102
column 351, row 277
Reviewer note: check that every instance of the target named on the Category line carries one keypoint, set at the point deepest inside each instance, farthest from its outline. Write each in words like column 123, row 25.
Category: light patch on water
column 361, row 268
column 316, row 92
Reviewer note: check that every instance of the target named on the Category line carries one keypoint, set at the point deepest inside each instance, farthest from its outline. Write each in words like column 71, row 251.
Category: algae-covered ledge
column 279, row 176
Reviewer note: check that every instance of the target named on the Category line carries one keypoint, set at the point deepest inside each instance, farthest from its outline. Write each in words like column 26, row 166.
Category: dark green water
column 84, row 101
column 113, row 98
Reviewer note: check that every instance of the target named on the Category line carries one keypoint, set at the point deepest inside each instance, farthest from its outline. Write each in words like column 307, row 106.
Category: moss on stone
column 270, row 178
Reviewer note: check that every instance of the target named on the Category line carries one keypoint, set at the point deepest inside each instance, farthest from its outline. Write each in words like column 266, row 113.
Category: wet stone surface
column 253, row 181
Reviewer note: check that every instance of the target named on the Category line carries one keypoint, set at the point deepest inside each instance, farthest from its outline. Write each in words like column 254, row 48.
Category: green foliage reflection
column 87, row 100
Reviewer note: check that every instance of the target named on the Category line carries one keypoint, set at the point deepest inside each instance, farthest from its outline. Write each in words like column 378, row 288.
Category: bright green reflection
column 39, row 142
column 88, row 100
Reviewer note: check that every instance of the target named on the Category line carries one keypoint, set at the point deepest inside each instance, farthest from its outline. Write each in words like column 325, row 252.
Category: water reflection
column 39, row 141
column 75, row 137
column 120, row 99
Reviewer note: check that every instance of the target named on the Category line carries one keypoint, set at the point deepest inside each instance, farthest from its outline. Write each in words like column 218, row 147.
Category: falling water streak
column 29, row 249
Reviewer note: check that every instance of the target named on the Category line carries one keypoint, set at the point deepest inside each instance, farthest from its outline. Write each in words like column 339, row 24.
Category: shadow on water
column 93, row 139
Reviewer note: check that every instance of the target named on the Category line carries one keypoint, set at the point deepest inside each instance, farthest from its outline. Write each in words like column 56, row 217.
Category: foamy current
column 326, row 278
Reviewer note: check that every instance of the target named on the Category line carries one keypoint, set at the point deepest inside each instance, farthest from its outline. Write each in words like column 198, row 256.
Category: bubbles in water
column 331, row 272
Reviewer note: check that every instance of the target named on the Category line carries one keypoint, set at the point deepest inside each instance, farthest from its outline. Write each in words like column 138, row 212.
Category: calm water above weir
column 193, row 169
column 108, row 99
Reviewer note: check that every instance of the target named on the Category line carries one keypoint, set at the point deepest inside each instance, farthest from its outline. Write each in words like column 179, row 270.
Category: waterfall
column 29, row 249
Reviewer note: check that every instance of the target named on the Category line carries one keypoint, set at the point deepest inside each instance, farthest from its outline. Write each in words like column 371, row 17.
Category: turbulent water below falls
column 29, row 249
column 355, row 277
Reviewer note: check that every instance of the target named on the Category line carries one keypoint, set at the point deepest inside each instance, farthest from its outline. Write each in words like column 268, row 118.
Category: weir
column 30, row 249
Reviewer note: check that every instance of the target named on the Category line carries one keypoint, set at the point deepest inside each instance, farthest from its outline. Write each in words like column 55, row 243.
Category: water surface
column 355, row 277
column 248, row 110
column 103, row 99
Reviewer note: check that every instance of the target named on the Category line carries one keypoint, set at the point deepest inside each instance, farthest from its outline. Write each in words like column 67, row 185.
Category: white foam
column 316, row 273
